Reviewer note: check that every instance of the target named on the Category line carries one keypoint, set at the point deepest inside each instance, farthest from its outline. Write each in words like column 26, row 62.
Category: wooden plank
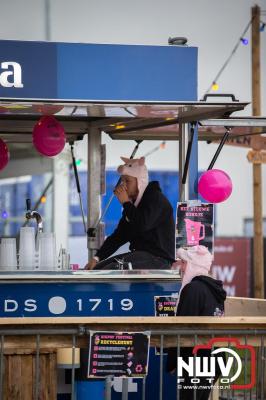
column 47, row 376
column 42, row 377
column 26, row 377
column 25, row 351
column 91, row 322
column 52, row 377
column 258, row 257
column 14, row 388
column 19, row 376
column 242, row 306
column 52, row 344
column 170, row 324
column 7, row 375
column 256, row 157
column 171, row 341
column 257, row 142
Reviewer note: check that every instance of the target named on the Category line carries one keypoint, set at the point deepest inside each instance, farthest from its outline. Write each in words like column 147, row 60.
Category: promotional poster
column 119, row 354
column 164, row 306
column 194, row 225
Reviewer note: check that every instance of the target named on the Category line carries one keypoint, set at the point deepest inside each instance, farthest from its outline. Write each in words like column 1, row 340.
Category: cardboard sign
column 257, row 157
column 194, row 225
column 164, row 306
column 119, row 354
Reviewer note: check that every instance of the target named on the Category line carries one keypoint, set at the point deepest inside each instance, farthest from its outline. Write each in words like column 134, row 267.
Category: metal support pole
column 183, row 143
column 108, row 388
column 94, row 185
column 37, row 368
column 47, row 7
column 177, row 357
column 221, row 145
column 143, row 388
column 61, row 199
column 161, row 368
column 73, row 368
column 78, row 185
column 125, row 389
column 188, row 162
column 2, row 359
column 189, row 148
column 112, row 196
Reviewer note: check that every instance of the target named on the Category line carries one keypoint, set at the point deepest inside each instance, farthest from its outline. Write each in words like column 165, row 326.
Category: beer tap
column 32, row 214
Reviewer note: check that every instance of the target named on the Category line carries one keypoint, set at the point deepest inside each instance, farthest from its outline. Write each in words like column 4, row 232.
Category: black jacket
column 148, row 227
column 203, row 296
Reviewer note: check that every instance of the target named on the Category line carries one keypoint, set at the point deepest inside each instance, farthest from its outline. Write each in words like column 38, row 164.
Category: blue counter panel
column 81, row 299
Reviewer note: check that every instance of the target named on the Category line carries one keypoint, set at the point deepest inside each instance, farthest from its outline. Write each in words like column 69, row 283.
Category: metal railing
column 38, row 339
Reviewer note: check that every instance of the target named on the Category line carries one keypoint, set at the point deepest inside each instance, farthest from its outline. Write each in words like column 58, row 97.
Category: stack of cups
column 47, row 251
column 27, row 248
column 8, row 254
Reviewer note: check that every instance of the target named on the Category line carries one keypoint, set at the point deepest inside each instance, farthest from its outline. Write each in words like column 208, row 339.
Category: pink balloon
column 4, row 154
column 215, row 185
column 49, row 136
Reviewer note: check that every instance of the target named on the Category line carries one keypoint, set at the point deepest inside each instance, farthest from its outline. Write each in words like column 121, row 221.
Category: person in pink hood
column 194, row 261
column 147, row 223
column 199, row 295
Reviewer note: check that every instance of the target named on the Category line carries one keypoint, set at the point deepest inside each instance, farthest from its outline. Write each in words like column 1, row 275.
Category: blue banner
column 97, row 72
column 28, row 70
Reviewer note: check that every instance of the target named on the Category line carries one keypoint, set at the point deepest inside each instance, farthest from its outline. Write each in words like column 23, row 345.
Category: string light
column 78, row 162
column 4, row 214
column 120, row 126
column 215, row 86
column 242, row 40
column 43, row 199
column 161, row 146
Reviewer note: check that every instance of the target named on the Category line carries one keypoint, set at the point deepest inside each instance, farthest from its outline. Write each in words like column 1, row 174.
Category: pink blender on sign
column 193, row 229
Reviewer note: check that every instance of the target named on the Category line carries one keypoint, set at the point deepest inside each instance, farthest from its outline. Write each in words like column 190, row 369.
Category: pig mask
column 136, row 168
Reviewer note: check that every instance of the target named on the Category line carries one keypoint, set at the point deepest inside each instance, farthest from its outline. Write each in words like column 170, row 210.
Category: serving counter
column 84, row 293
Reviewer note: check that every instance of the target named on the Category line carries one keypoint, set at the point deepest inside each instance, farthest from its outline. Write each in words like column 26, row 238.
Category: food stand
column 147, row 92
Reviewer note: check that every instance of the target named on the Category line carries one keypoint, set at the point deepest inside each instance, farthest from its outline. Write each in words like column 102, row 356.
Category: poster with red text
column 194, row 225
column 120, row 354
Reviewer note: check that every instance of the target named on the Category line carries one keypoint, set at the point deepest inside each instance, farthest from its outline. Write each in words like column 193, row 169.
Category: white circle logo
column 230, row 361
column 57, row 305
